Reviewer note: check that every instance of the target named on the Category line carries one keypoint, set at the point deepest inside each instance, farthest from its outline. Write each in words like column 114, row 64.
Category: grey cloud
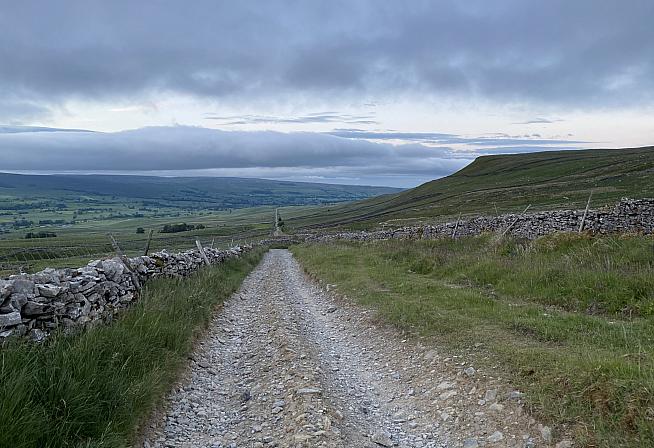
column 585, row 53
column 451, row 139
column 523, row 149
column 375, row 135
column 318, row 117
column 520, row 141
column 174, row 149
column 14, row 110
column 540, row 120
column 4, row 129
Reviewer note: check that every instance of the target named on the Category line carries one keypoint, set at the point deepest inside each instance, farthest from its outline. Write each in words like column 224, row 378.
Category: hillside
column 183, row 192
column 501, row 183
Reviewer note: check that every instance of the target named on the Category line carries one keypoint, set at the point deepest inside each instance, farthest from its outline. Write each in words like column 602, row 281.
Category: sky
column 378, row 92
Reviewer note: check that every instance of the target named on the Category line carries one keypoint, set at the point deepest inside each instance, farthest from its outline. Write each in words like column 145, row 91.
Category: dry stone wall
column 35, row 304
column 628, row 215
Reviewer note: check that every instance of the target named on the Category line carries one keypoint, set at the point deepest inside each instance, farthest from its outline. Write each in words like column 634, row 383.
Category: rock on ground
column 285, row 364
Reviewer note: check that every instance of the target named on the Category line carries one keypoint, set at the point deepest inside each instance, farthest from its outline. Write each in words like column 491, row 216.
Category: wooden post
column 125, row 261
column 120, row 253
column 516, row 220
column 213, row 240
column 115, row 245
column 583, row 219
column 204, row 256
column 456, row 226
column 147, row 245
column 276, row 226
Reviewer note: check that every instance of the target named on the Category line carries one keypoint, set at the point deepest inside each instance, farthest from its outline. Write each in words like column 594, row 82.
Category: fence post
column 516, row 220
column 125, row 261
column 456, row 226
column 583, row 219
column 147, row 245
column 204, row 256
column 120, row 253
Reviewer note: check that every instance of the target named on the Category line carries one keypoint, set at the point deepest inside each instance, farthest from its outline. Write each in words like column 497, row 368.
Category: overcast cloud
column 206, row 151
column 551, row 58
column 551, row 51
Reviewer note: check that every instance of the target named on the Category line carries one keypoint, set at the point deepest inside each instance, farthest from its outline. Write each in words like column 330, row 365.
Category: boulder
column 6, row 288
column 24, row 286
column 10, row 319
column 36, row 335
column 31, row 308
column 49, row 290
column 18, row 300
column 113, row 269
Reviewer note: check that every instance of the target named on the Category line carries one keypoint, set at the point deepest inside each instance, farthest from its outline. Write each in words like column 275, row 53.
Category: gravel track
column 286, row 364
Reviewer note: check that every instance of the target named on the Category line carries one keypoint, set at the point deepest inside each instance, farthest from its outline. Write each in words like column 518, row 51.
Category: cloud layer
column 362, row 66
column 185, row 150
column 581, row 53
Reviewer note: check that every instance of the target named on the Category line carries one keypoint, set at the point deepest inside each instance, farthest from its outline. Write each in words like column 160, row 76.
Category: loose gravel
column 288, row 364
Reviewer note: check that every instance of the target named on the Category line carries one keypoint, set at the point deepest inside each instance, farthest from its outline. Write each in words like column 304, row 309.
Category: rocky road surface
column 287, row 364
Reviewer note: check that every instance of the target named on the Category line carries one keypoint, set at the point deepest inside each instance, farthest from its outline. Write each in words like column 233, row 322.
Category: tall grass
column 567, row 317
column 95, row 388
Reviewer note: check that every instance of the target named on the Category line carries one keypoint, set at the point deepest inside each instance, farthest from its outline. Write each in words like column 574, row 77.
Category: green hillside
column 70, row 200
column 77, row 211
column 205, row 193
column 503, row 183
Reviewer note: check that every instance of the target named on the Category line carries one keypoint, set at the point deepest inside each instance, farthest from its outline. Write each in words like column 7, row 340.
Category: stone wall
column 35, row 304
column 628, row 215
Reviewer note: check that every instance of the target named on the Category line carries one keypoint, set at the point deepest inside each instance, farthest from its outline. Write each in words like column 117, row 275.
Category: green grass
column 75, row 246
column 94, row 389
column 82, row 209
column 568, row 319
column 502, row 183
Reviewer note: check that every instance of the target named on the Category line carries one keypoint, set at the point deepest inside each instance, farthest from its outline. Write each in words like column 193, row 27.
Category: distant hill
column 182, row 192
column 501, row 183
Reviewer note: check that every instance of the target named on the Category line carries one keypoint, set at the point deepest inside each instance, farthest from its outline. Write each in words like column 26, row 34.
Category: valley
column 475, row 336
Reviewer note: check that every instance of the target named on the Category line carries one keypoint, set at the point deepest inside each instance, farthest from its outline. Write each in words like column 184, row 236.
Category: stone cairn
column 35, row 304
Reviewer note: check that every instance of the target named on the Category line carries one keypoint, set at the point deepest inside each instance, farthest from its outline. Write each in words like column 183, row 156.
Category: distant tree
column 45, row 222
column 22, row 223
column 140, row 230
column 174, row 228
column 31, row 235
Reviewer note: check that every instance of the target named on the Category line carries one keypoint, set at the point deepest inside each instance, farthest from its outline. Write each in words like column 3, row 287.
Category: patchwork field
column 71, row 216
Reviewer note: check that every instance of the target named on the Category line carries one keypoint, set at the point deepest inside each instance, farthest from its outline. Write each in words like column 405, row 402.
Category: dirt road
column 285, row 364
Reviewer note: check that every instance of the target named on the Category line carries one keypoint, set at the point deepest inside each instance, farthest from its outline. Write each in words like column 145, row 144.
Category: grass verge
column 94, row 389
column 568, row 318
